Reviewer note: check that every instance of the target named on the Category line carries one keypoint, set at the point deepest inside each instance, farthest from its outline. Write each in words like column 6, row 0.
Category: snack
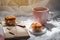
column 36, row 27
column 10, row 20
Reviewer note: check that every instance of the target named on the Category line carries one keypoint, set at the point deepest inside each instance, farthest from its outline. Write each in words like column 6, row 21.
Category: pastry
column 10, row 20
column 36, row 27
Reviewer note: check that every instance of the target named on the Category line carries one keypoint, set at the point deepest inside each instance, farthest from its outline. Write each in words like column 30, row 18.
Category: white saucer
column 42, row 32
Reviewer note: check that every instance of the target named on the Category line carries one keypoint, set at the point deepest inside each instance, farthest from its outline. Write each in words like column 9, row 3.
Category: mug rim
column 46, row 9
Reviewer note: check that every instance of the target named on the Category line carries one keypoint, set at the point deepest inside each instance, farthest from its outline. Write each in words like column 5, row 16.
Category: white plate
column 42, row 32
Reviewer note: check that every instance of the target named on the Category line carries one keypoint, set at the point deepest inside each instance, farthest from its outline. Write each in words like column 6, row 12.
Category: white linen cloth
column 54, row 34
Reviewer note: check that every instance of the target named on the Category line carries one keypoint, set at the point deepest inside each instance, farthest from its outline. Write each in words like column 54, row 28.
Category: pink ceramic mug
column 40, row 14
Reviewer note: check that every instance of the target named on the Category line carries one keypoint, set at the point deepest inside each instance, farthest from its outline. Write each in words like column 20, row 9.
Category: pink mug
column 40, row 14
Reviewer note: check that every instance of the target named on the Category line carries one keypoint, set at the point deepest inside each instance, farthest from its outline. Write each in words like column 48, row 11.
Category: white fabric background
column 19, row 10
